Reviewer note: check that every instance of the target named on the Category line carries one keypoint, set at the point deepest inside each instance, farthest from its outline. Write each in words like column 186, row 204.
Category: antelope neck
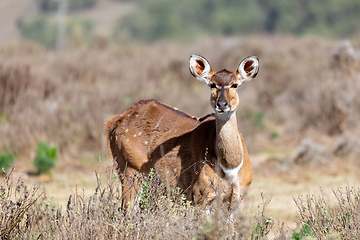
column 229, row 145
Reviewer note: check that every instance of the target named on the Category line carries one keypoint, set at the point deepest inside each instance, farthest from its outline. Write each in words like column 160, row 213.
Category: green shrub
column 145, row 193
column 81, row 29
column 304, row 231
column 6, row 159
column 73, row 5
column 45, row 158
column 44, row 30
column 167, row 19
column 40, row 30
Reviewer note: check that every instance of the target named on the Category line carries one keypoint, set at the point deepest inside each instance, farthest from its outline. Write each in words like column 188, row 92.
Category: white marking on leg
column 232, row 173
column 208, row 213
column 230, row 219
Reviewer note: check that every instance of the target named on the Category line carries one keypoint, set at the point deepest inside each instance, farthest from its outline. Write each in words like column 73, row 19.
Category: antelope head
column 224, row 84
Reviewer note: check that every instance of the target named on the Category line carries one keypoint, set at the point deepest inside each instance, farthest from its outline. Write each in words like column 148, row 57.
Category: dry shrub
column 14, row 79
column 347, row 146
column 16, row 200
column 310, row 153
column 26, row 213
column 63, row 97
column 327, row 220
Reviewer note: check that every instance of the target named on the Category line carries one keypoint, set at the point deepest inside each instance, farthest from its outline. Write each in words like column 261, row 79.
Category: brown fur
column 184, row 151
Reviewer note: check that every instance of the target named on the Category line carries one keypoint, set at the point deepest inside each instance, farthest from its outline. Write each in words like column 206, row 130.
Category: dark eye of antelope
column 212, row 85
column 235, row 85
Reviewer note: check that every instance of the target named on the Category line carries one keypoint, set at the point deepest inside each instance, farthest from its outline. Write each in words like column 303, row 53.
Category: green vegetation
column 40, row 30
column 164, row 19
column 304, row 231
column 43, row 30
column 45, row 158
column 167, row 19
column 6, row 160
column 184, row 20
column 4, row 118
column 145, row 195
column 73, row 5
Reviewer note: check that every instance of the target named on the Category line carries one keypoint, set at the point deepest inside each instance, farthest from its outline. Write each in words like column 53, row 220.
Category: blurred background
column 66, row 65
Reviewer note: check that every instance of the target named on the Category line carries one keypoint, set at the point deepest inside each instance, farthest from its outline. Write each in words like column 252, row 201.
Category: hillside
column 104, row 15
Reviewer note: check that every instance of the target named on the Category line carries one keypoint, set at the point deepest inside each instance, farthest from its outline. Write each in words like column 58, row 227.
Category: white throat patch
column 232, row 173
column 224, row 117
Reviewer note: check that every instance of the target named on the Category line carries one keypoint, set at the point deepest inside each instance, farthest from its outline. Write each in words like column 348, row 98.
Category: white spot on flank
column 126, row 130
column 158, row 122
column 145, row 142
column 232, row 173
column 115, row 138
column 139, row 134
column 134, row 135
column 127, row 140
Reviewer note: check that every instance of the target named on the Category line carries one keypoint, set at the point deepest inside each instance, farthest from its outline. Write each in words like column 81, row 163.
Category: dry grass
column 303, row 89
column 27, row 213
column 329, row 220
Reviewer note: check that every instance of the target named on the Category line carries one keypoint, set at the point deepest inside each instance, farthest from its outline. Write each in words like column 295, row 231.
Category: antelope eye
column 235, row 85
column 212, row 85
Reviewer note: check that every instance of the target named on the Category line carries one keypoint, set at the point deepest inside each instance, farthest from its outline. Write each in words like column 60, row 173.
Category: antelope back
column 135, row 135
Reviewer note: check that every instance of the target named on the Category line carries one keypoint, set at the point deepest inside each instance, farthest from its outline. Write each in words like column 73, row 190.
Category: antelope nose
column 222, row 105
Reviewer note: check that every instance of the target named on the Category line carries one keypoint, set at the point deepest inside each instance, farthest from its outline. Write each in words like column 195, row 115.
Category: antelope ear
column 200, row 68
column 248, row 69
